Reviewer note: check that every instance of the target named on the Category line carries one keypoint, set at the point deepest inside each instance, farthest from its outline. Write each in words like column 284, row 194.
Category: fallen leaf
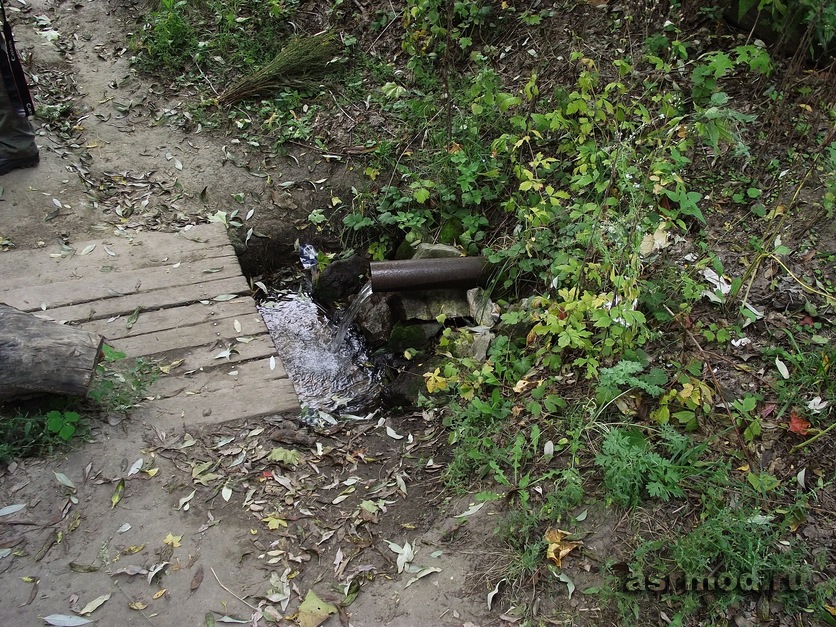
column 798, row 425
column 285, row 456
column 272, row 362
column 274, row 521
column 421, row 574
column 83, row 568
column 158, row 594
column 169, row 367
column 782, row 368
column 12, row 509
column 226, row 493
column 137, row 605
column 87, row 249
column 131, row 571
column 237, row 326
column 62, row 620
column 558, row 548
column 393, row 434
column 133, row 549
column 64, row 480
column 224, row 297
column 471, row 510
column 569, row 583
column 314, row 611
column 117, row 494
column 184, row 502
column 136, row 467
column 95, row 604
column 172, row 540
column 197, row 579
column 132, row 318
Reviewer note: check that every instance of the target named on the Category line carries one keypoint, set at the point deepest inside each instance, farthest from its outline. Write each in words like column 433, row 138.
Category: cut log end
column 43, row 357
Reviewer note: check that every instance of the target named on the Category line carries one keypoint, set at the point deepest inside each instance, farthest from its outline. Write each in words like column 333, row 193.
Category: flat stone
column 435, row 251
column 482, row 309
column 428, row 305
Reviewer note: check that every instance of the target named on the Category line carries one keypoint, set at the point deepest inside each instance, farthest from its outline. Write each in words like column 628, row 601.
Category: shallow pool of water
column 334, row 382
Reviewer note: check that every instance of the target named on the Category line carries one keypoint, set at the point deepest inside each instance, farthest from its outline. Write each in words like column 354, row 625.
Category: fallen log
column 38, row 356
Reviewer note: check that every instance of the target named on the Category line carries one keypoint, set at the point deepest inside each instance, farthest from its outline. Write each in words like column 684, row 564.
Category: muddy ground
column 109, row 161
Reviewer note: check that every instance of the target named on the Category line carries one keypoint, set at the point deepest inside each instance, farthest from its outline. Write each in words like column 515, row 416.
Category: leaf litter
column 306, row 500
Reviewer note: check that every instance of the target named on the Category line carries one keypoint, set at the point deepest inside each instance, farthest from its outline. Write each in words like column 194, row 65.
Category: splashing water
column 345, row 324
column 338, row 382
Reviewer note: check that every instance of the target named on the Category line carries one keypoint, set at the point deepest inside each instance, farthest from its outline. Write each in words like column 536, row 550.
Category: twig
column 252, row 607
column 130, row 600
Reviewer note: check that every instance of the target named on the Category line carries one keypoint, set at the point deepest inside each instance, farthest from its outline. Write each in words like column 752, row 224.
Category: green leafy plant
column 120, row 383
column 62, row 423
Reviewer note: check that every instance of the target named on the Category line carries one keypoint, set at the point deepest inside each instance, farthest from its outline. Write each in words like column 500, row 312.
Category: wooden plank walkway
column 193, row 303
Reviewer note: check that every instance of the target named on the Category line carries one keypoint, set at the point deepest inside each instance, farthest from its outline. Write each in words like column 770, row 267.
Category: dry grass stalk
column 302, row 58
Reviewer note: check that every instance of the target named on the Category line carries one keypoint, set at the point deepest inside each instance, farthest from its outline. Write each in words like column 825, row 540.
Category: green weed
column 120, row 383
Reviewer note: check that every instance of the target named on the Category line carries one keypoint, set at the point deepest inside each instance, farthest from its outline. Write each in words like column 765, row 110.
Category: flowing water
column 328, row 382
column 348, row 319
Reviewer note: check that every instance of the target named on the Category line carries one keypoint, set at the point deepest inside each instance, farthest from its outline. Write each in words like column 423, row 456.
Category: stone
column 482, row 309
column 340, row 279
column 415, row 335
column 435, row 251
column 472, row 342
column 375, row 320
column 429, row 304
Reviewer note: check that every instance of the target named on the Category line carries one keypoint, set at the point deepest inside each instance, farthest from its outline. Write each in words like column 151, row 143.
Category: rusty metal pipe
column 426, row 274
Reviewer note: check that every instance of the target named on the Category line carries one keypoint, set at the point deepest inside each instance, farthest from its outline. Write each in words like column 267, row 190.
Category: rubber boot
column 17, row 137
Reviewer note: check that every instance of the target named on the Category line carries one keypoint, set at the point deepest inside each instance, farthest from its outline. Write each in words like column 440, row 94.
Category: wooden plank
column 163, row 319
column 213, row 380
column 125, row 305
column 116, row 284
column 219, row 330
column 216, row 397
column 205, row 357
column 27, row 267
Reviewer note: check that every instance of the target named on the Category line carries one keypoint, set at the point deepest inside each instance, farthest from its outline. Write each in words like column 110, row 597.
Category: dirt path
column 241, row 521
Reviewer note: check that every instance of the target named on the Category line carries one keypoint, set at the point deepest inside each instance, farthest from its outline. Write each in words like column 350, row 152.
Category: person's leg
column 17, row 138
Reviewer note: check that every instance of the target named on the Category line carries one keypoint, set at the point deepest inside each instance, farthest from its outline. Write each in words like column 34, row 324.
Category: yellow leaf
column 131, row 550
column 744, row 468
column 137, row 605
column 151, row 471
column 117, row 495
column 435, row 381
column 559, row 548
column 29, row 579
column 169, row 367
column 313, row 611
column 159, row 593
column 830, row 609
column 172, row 540
column 274, row 521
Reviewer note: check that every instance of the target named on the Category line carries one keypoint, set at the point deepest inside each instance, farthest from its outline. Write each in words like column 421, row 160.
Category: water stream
column 348, row 319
